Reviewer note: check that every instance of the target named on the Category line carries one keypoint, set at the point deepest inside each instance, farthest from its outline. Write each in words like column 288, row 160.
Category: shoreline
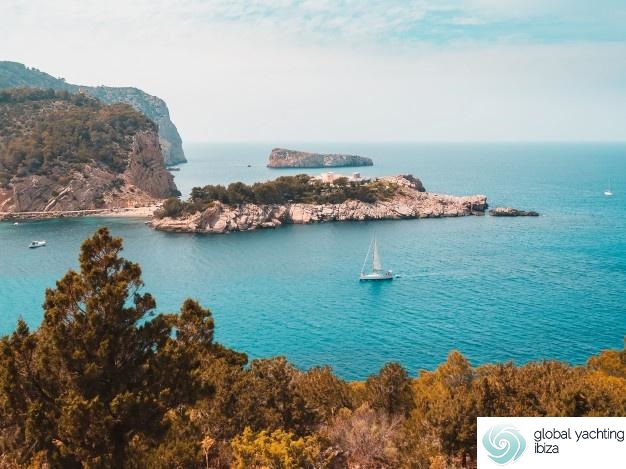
column 145, row 212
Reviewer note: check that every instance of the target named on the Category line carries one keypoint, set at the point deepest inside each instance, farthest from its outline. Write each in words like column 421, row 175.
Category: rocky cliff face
column 283, row 158
column 145, row 169
column 152, row 107
column 13, row 74
column 409, row 202
column 94, row 187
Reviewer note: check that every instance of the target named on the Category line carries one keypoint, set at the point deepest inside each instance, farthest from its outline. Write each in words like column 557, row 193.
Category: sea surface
column 496, row 289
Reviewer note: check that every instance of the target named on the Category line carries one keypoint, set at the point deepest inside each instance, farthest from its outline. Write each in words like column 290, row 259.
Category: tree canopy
column 301, row 188
column 47, row 132
column 99, row 372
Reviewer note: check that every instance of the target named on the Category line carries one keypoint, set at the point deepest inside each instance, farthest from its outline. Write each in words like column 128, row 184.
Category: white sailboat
column 608, row 192
column 377, row 273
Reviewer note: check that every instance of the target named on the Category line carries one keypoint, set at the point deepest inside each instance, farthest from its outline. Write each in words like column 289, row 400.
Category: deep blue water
column 493, row 288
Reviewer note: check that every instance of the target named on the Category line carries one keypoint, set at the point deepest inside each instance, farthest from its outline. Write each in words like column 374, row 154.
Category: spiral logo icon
column 504, row 443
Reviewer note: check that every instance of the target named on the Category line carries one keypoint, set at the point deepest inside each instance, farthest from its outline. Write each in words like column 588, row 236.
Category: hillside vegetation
column 16, row 75
column 301, row 188
column 103, row 382
column 47, row 132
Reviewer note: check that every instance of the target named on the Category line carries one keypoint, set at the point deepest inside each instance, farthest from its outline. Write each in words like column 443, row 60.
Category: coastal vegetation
column 16, row 75
column 301, row 188
column 51, row 133
column 106, row 382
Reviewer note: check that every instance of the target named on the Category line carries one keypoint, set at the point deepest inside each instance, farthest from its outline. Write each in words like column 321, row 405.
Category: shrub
column 279, row 449
column 172, row 208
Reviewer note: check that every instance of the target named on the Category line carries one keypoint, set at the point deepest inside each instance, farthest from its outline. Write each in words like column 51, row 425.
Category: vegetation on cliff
column 16, row 75
column 104, row 382
column 282, row 190
column 47, row 132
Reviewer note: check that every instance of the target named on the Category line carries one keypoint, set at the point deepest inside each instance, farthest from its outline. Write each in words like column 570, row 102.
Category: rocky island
column 512, row 212
column 62, row 152
column 283, row 158
column 303, row 199
column 16, row 75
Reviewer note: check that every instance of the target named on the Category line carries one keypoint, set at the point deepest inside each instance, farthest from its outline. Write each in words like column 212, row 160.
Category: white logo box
column 551, row 442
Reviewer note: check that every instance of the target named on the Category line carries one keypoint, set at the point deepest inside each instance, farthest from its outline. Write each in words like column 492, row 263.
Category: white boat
column 608, row 192
column 377, row 273
column 36, row 244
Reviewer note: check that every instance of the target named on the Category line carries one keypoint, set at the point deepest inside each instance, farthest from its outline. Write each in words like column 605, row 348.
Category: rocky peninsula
column 283, row 158
column 409, row 200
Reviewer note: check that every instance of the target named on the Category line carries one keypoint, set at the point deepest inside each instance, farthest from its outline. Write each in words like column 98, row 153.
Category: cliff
column 62, row 152
column 16, row 75
column 407, row 202
column 283, row 158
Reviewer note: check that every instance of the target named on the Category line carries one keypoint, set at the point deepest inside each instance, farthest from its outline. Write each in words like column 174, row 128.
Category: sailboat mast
column 366, row 256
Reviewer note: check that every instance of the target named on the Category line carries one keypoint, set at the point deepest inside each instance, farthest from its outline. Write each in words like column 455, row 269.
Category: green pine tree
column 100, row 373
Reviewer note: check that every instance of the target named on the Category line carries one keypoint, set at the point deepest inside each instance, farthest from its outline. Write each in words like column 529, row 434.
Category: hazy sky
column 344, row 70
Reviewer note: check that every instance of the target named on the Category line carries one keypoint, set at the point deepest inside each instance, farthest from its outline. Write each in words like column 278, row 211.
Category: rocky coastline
column 408, row 203
column 283, row 158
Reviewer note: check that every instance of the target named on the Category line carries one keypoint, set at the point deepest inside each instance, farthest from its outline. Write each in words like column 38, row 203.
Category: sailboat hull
column 373, row 276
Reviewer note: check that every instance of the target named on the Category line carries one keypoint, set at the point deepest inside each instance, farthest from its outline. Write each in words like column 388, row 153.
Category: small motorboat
column 36, row 244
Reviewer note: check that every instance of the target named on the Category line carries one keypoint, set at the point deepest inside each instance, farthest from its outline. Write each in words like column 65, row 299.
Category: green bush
column 173, row 208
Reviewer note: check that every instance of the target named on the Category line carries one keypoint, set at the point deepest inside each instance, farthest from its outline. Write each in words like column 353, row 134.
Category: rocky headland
column 283, row 158
column 511, row 212
column 68, row 153
column 16, row 75
column 94, row 188
column 409, row 201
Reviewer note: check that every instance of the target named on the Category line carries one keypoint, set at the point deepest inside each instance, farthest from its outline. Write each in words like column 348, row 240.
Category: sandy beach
column 128, row 212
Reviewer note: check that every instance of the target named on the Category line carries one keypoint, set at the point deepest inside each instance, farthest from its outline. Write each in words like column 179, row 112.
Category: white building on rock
column 330, row 177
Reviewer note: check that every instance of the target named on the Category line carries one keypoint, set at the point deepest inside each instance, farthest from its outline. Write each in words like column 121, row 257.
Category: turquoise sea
column 494, row 288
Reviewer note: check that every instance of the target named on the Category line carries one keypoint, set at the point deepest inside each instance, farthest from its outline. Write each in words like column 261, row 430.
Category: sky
column 344, row 70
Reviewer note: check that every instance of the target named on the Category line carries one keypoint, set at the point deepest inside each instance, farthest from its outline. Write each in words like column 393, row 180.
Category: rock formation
column 13, row 74
column 282, row 158
column 409, row 202
column 64, row 152
column 93, row 187
column 511, row 212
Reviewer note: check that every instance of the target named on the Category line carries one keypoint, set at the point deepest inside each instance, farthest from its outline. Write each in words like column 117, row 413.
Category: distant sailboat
column 377, row 272
column 608, row 192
